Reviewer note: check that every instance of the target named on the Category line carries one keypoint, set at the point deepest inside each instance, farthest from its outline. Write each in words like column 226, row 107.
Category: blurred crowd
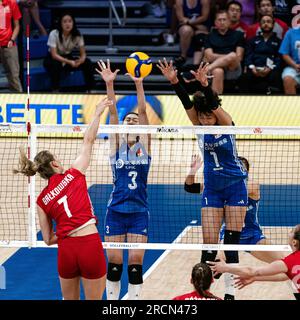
column 252, row 44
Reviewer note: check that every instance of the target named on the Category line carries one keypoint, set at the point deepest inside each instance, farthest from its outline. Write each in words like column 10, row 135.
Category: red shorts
column 81, row 257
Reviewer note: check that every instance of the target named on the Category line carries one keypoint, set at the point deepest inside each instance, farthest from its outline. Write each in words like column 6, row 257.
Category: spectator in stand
column 235, row 9
column 290, row 50
column 30, row 8
column 62, row 41
column 283, row 10
column 262, row 60
column 9, row 30
column 224, row 50
column 215, row 6
column 193, row 23
column 265, row 7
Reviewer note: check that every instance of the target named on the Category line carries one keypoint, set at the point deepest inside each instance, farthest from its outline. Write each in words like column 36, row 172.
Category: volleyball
column 139, row 64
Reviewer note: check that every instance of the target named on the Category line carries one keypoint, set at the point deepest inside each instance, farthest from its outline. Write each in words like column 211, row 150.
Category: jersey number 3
column 132, row 175
column 64, row 201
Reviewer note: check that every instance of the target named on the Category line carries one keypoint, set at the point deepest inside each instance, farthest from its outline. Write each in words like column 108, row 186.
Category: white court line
column 161, row 257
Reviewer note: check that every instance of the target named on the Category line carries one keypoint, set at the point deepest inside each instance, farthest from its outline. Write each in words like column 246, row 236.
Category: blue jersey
column 130, row 168
column 222, row 166
column 251, row 224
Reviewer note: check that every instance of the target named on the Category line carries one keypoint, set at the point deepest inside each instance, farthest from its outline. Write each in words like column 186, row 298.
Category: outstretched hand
column 196, row 163
column 102, row 105
column 168, row 70
column 135, row 79
column 217, row 267
column 241, row 283
column 201, row 74
column 105, row 71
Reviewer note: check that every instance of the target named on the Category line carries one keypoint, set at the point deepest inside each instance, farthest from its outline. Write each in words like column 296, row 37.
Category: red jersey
column 196, row 296
column 9, row 11
column 280, row 28
column 292, row 261
column 66, row 200
column 241, row 26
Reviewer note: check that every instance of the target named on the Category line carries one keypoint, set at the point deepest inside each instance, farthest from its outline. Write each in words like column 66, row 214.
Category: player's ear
column 54, row 164
column 295, row 243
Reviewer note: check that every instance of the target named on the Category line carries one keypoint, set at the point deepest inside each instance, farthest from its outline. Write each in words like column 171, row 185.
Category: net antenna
column 31, row 151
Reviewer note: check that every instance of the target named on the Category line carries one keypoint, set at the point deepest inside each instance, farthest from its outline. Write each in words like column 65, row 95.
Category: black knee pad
column 135, row 274
column 199, row 40
column 114, row 271
column 208, row 256
column 232, row 237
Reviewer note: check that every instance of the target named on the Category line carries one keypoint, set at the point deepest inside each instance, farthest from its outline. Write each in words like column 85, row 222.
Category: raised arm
column 201, row 74
column 143, row 118
column 170, row 73
column 189, row 184
column 108, row 76
column 83, row 159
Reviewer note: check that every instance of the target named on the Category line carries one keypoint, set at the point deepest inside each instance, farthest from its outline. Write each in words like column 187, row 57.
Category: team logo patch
column 119, row 164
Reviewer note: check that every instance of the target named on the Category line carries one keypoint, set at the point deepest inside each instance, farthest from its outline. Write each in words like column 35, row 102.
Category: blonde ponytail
column 26, row 166
column 41, row 164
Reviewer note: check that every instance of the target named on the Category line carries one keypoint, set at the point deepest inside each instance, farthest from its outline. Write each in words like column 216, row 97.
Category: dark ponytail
column 202, row 279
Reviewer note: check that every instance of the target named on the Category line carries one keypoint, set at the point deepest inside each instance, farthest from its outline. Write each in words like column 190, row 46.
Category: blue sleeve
column 285, row 44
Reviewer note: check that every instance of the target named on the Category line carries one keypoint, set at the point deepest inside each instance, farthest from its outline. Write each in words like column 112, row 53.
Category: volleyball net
column 175, row 215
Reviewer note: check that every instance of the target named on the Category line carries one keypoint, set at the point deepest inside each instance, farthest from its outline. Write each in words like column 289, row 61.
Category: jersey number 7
column 64, row 201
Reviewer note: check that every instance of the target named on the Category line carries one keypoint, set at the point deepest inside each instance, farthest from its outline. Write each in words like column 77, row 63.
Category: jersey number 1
column 64, row 201
column 215, row 159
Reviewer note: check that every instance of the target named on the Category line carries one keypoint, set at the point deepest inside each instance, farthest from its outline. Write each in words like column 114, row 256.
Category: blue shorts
column 117, row 223
column 251, row 238
column 235, row 195
column 291, row 72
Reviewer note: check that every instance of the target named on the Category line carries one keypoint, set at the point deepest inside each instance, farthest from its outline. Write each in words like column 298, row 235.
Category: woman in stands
column 201, row 279
column 225, row 192
column 127, row 214
column 66, row 201
column 193, row 17
column 280, row 270
column 61, row 58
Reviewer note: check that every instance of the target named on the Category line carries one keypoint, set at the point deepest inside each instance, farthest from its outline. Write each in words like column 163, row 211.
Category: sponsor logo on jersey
column 119, row 164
